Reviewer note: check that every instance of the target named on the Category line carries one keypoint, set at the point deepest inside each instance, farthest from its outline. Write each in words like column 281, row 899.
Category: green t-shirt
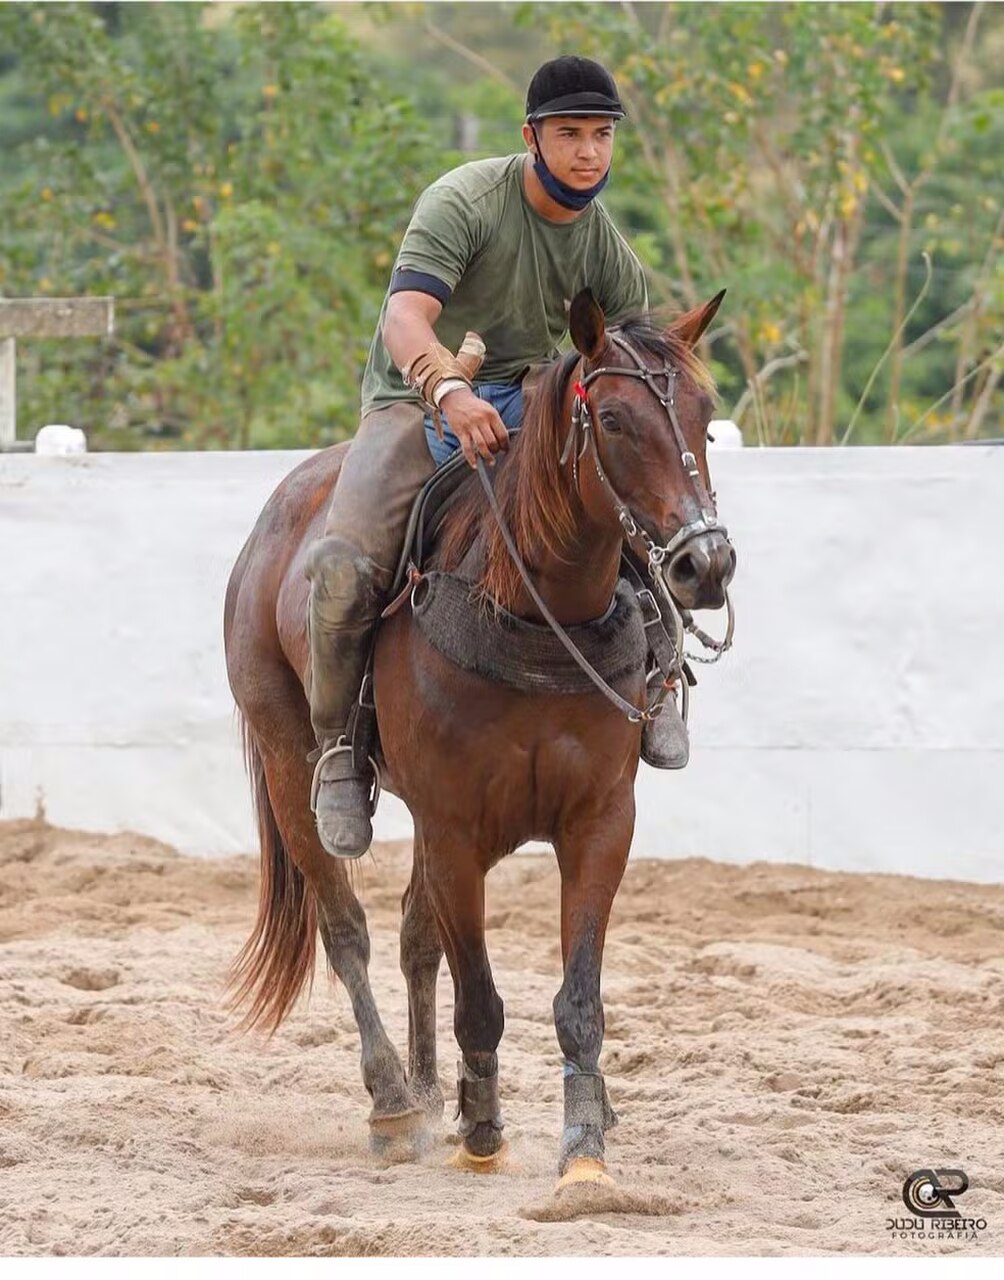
column 505, row 271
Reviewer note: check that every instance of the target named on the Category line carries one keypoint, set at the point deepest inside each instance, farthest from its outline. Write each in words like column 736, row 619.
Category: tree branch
column 476, row 59
column 660, row 35
column 792, row 203
column 892, row 342
column 911, row 431
column 918, row 344
column 982, row 404
column 754, row 384
column 139, row 170
column 885, row 202
column 894, row 168
column 107, row 242
column 969, row 36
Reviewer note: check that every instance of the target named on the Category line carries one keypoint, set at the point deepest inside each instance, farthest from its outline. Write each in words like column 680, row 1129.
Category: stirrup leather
column 340, row 747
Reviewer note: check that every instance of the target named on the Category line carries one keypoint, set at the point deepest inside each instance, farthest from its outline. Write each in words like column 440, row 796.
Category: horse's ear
column 585, row 324
column 692, row 324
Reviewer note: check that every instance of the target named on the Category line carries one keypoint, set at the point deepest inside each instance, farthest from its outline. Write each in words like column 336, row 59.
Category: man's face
column 577, row 149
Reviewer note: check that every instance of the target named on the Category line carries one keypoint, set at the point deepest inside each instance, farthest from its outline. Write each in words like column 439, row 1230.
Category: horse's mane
column 532, row 491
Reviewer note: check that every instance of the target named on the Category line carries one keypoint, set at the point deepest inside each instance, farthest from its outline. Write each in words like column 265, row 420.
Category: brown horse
column 482, row 767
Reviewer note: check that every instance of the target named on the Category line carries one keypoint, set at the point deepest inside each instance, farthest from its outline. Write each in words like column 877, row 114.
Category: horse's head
column 645, row 397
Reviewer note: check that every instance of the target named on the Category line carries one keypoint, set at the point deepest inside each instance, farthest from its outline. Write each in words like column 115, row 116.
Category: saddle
column 427, row 512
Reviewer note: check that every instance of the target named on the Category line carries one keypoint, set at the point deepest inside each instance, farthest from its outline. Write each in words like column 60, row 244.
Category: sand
column 783, row 1046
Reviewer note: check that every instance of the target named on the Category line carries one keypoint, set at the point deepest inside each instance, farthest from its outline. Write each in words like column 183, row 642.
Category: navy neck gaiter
column 560, row 192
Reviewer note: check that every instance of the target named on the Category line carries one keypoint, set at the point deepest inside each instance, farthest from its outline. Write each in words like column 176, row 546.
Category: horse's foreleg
column 456, row 886
column 592, row 853
column 421, row 953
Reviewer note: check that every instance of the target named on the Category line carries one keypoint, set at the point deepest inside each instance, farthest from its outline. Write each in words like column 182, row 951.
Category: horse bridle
column 655, row 554
column 582, row 424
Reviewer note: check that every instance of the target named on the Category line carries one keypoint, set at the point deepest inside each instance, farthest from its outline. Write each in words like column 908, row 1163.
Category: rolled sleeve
column 420, row 282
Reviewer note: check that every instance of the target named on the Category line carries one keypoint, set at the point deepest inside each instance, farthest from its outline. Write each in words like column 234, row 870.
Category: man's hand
column 476, row 424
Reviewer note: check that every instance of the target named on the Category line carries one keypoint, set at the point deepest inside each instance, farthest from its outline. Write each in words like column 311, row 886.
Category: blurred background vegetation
column 238, row 176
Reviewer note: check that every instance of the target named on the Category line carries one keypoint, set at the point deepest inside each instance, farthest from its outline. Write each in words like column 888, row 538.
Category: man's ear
column 692, row 324
column 586, row 325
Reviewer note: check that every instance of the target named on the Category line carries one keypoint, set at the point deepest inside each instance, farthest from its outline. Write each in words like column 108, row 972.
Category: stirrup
column 341, row 746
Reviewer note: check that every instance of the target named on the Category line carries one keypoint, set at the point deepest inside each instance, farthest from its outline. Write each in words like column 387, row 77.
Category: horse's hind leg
column 421, row 954
column 342, row 925
column 592, row 855
column 456, row 887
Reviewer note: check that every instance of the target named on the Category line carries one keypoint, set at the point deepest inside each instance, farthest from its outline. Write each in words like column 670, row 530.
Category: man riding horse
column 497, row 247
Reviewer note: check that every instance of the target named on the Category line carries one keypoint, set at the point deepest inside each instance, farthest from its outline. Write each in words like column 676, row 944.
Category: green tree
column 239, row 177
column 239, row 186
column 760, row 139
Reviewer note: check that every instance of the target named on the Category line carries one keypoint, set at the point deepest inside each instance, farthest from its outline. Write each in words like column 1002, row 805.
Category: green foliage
column 240, row 188
column 239, row 178
column 756, row 156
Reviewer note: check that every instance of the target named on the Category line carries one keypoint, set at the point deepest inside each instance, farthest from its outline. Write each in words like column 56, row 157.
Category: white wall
column 858, row 724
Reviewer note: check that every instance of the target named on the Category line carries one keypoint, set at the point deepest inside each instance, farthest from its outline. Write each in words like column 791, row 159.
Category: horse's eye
column 608, row 421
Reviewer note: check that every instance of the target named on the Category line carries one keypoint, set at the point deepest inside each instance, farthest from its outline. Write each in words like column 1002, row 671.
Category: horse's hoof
column 585, row 1169
column 389, row 1134
column 397, row 1124
column 467, row 1162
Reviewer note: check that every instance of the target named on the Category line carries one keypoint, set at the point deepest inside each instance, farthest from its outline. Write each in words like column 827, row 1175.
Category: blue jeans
column 506, row 397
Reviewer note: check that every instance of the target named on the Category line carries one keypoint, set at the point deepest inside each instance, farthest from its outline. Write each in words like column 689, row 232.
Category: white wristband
column 445, row 387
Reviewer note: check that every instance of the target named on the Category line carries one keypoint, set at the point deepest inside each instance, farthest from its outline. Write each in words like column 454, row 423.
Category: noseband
column 580, row 435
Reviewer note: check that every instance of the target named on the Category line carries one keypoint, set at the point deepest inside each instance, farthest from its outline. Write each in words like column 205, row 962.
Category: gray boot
column 344, row 800
column 665, row 740
column 346, row 592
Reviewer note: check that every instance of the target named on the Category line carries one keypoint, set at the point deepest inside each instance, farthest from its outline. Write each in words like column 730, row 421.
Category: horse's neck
column 577, row 585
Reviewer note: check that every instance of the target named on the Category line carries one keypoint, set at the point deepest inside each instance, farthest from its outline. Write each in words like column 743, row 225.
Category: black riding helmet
column 572, row 86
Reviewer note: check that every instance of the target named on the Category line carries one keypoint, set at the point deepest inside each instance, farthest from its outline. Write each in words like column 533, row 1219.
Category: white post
column 8, row 401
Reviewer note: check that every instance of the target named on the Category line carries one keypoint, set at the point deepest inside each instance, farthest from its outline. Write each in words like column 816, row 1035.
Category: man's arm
column 407, row 333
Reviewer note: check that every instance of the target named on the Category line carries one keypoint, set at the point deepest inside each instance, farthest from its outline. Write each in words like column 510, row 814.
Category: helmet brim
column 578, row 104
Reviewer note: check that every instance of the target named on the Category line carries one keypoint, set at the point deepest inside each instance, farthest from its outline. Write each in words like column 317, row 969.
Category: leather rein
column 582, row 429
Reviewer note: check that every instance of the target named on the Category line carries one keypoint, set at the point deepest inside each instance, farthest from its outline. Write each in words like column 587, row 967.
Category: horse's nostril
column 689, row 568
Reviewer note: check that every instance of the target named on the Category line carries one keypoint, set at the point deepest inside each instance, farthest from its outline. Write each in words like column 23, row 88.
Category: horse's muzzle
column 701, row 570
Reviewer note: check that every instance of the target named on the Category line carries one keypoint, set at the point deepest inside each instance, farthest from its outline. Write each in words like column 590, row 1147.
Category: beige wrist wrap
column 436, row 364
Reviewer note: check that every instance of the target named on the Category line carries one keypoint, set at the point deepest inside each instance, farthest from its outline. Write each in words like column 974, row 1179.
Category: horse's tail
column 277, row 960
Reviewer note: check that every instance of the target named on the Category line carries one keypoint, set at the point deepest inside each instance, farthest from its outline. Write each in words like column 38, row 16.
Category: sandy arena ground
column 783, row 1046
